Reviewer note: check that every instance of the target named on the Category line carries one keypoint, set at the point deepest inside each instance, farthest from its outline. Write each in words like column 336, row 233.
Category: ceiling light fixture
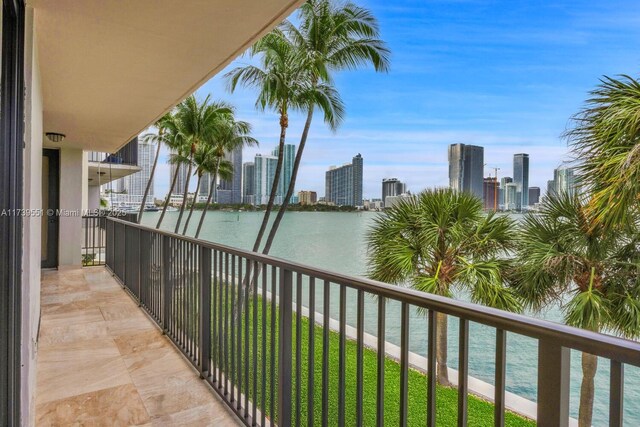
column 55, row 137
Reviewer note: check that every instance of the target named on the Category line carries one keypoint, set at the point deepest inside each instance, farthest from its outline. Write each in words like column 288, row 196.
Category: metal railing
column 94, row 243
column 247, row 340
column 127, row 155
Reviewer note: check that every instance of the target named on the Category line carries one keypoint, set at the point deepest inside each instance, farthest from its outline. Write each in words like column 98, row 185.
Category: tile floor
column 102, row 362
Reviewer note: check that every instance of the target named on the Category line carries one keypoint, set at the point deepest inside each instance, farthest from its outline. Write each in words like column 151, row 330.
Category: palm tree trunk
column 166, row 202
column 589, row 368
column 193, row 204
column 185, row 196
column 146, row 190
column 212, row 188
column 292, row 183
column 441, row 349
column 284, row 123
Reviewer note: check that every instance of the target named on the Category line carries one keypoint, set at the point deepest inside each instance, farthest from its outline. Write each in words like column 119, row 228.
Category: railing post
column 285, row 311
column 166, row 283
column 553, row 384
column 205, row 311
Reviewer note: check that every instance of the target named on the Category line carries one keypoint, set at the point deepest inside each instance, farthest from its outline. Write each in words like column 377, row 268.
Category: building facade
column 490, row 190
column 466, row 168
column 307, row 197
column 343, row 185
column 129, row 190
column 392, row 187
column 534, row 195
column 229, row 192
column 248, row 182
column 521, row 180
column 564, row 178
column 510, row 196
column 181, row 180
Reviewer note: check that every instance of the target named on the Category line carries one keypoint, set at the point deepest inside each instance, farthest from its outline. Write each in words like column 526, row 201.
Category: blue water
column 336, row 241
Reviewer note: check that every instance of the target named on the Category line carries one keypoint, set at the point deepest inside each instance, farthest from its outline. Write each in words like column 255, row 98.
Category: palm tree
column 279, row 80
column 441, row 241
column 158, row 139
column 333, row 36
column 175, row 140
column 565, row 252
column 230, row 134
column 198, row 121
column 606, row 137
column 205, row 162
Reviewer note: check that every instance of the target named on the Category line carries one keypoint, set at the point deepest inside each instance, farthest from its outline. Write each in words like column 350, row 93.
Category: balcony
column 270, row 339
column 103, row 361
column 107, row 167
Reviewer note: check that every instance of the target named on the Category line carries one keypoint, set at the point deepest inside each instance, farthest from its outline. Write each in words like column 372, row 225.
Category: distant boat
column 151, row 208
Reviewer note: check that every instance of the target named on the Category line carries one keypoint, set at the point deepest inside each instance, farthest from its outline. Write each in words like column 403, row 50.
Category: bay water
column 336, row 241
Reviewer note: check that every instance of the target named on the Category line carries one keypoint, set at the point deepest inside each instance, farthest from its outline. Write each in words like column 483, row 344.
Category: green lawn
column 480, row 412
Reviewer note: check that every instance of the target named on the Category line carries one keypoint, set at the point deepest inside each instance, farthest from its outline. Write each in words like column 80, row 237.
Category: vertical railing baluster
column 247, row 312
column 298, row 375
column 166, row 283
column 404, row 364
column 236, row 314
column 342, row 354
column 264, row 271
column 382, row 317
column 554, row 364
column 501, row 365
column 254, row 286
column 431, row 369
column 325, row 354
column 311, row 353
column 359, row 358
column 213, row 330
column 463, row 373
column 285, row 302
column 616, row 394
column 205, row 311
column 225, row 333
column 272, row 359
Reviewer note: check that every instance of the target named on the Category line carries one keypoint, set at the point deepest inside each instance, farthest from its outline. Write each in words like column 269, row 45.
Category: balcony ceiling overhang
column 110, row 68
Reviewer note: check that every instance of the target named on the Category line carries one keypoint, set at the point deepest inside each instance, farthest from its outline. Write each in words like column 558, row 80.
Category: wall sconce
column 55, row 137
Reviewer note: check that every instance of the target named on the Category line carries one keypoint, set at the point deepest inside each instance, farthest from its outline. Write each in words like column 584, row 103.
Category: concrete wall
column 32, row 225
column 73, row 190
column 93, row 195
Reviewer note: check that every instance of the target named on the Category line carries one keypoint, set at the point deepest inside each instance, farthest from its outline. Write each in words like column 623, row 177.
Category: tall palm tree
column 441, row 241
column 278, row 79
column 198, row 121
column 565, row 252
column 606, row 138
column 158, row 140
column 205, row 162
column 333, row 36
column 230, row 134
column 175, row 140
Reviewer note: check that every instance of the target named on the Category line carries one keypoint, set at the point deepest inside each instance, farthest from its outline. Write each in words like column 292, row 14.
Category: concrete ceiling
column 110, row 68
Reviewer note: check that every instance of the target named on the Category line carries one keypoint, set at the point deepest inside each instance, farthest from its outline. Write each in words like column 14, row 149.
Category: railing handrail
column 611, row 347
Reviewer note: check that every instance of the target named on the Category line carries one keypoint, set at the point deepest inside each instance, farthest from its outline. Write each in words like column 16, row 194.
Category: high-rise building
column 248, row 182
column 181, row 181
column 307, row 197
column 287, row 170
column 551, row 187
column 264, row 173
column 490, row 190
column 392, row 187
column 343, row 185
column 205, row 186
column 521, row 180
column 503, row 182
column 510, row 196
column 130, row 189
column 466, row 167
column 534, row 195
column 230, row 192
column 564, row 178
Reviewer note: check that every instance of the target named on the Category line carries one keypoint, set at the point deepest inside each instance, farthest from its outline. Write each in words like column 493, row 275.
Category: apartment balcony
column 197, row 327
column 107, row 167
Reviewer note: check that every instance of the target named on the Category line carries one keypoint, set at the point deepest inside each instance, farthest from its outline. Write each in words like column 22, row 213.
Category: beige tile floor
column 102, row 362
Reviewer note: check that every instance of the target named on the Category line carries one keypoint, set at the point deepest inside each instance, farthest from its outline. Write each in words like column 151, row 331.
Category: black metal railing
column 127, row 155
column 242, row 319
column 94, row 243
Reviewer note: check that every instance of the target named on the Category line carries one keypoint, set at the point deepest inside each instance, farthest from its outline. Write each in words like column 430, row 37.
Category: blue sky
column 504, row 75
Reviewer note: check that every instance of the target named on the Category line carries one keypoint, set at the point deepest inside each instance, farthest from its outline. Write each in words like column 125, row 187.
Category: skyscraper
column 264, row 173
column 287, row 169
column 490, row 189
column 534, row 195
column 130, row 189
column 343, row 185
column 510, row 196
column 248, row 182
column 181, row 181
column 564, row 178
column 521, row 180
column 230, row 192
column 466, row 167
column 551, row 187
column 503, row 183
column 205, row 185
column 392, row 187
